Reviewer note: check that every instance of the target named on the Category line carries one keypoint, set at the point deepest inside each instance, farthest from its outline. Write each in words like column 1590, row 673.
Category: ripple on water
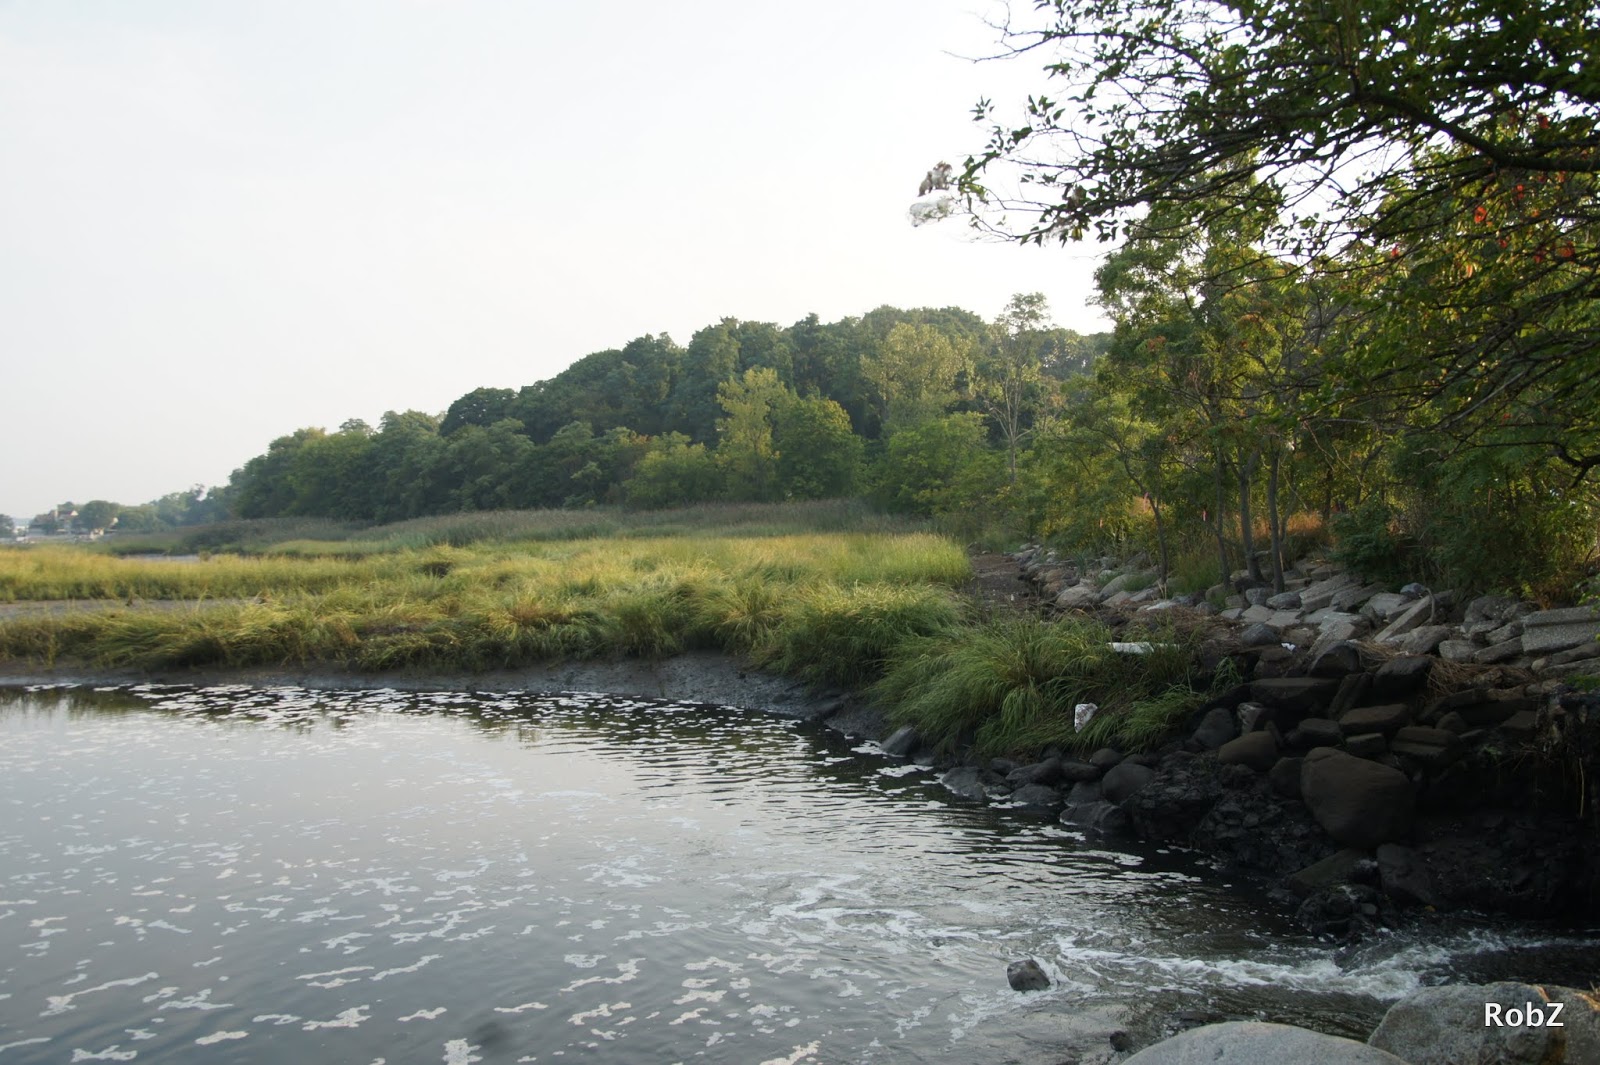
column 277, row 874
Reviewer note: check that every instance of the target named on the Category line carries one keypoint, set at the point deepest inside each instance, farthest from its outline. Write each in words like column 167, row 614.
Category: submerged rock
column 1026, row 975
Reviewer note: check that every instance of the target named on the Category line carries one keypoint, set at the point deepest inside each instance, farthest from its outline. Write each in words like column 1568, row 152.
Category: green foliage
column 939, row 466
column 1009, row 686
column 1365, row 540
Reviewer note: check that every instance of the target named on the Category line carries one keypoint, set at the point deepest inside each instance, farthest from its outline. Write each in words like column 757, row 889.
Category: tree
column 7, row 525
column 97, row 515
column 481, row 406
column 1404, row 139
column 915, row 372
column 745, row 447
column 1008, row 379
column 819, row 457
column 674, row 472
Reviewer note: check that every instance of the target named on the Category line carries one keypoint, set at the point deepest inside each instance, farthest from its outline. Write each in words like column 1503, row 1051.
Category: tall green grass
column 1011, row 685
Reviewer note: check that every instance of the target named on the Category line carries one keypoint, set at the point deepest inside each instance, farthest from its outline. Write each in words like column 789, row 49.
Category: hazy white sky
column 222, row 221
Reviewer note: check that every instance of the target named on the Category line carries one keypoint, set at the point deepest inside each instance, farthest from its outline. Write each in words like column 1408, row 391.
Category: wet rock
column 1026, row 975
column 1284, row 777
column 1085, row 792
column 966, row 782
column 1076, row 772
column 1170, row 806
column 1400, row 678
column 1259, row 1043
column 1337, row 659
column 1099, row 818
column 1255, row 829
column 1125, row 780
column 1404, row 876
column 1451, row 1025
column 1515, row 863
column 1039, row 798
column 1348, row 912
column 1316, row 732
column 1359, row 803
column 1336, row 868
column 1386, row 718
column 1216, row 728
column 902, row 742
column 1105, row 757
column 1047, row 772
column 1257, row 750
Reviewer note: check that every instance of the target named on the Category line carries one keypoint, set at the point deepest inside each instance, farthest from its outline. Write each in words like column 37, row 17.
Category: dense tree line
column 896, row 402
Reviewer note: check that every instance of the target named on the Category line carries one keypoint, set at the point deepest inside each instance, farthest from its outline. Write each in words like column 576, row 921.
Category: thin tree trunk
column 1247, row 537
column 1220, row 481
column 1274, row 526
column 1161, row 541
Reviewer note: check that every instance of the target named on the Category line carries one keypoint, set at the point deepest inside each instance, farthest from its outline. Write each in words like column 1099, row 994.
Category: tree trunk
column 1274, row 526
column 1220, row 482
column 1247, row 538
column 1161, row 542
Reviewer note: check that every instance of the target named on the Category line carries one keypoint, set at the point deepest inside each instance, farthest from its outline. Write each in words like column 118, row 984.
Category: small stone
column 1456, row 650
column 1026, row 975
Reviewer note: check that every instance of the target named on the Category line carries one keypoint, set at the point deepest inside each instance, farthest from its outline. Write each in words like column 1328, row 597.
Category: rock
column 1352, row 692
column 1259, row 1043
column 1085, row 792
column 1336, row 659
column 1026, row 975
column 1455, row 1024
column 1257, row 635
column 1386, row 605
column 1425, row 640
column 1414, row 590
column 1078, row 597
column 1498, row 652
column 1558, row 630
column 1284, row 601
column 1354, row 597
column 1336, row 868
column 1038, row 797
column 1375, row 718
column 1253, row 828
column 1303, row 694
column 1101, row 818
column 1457, row 650
column 1489, row 608
column 1183, row 791
column 1433, row 747
column 1581, row 653
column 1400, row 678
column 1366, row 745
column 1419, row 613
column 1253, row 716
column 1125, row 583
column 1075, row 771
column 1359, row 803
column 966, row 782
column 1258, row 750
column 1216, row 728
column 1509, row 631
column 1320, row 593
column 902, row 742
column 1316, row 732
column 1523, row 723
column 1274, row 661
column 1405, row 877
column 1123, row 781
column 1284, row 777
column 1105, row 757
column 1347, row 911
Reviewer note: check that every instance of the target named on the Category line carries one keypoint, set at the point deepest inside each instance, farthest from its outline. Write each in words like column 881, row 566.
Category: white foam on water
column 460, row 1052
column 276, row 1018
column 23, row 1043
column 797, row 1055
column 220, row 1037
column 626, row 971
column 423, row 1015
column 62, row 1003
column 605, row 1010
column 522, row 1008
column 349, row 1018
column 424, row 960
column 584, row 961
column 110, row 1053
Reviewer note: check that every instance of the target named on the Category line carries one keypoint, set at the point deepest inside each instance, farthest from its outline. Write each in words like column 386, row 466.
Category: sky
column 223, row 222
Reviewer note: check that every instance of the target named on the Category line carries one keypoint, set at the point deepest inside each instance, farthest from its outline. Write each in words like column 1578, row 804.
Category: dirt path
column 997, row 582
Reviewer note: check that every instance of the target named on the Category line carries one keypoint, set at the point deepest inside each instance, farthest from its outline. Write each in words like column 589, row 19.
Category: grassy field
column 827, row 593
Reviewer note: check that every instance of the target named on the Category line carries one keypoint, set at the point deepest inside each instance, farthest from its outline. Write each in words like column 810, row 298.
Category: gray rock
column 1336, row 659
column 1101, row 818
column 1581, row 653
column 1355, row 597
column 1259, row 1043
column 1400, row 677
column 1259, row 613
column 1319, row 594
column 1304, row 695
column 1419, row 613
column 1384, row 718
column 1447, row 1026
column 1498, row 652
column 1352, row 692
column 1257, row 596
column 1557, row 630
column 1284, row 777
column 1509, row 631
column 1386, row 605
column 1285, row 601
column 1075, row 771
column 902, row 742
column 1253, row 716
column 1366, row 745
column 1489, row 608
column 1357, row 802
column 1336, row 868
column 1258, row 634
column 1078, row 597
column 966, row 782
column 1105, row 757
column 1123, row 781
column 1457, row 650
column 1414, row 590
column 1085, row 792
column 1216, row 728
column 1405, row 877
column 1425, row 640
column 1026, row 975
column 1258, row 750
column 1039, row 797
column 1316, row 732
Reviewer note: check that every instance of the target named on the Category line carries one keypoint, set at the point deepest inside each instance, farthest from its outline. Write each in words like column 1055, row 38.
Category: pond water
column 234, row 874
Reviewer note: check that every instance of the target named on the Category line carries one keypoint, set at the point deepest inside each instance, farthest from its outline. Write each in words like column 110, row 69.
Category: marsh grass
column 1011, row 684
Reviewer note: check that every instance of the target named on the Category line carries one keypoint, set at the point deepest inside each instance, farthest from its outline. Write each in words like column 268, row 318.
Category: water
column 278, row 875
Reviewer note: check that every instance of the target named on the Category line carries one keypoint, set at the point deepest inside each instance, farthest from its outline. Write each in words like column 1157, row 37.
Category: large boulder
column 1216, row 729
column 1471, row 1023
column 1259, row 1043
column 1557, row 630
column 1125, row 780
column 1357, row 802
column 1258, row 750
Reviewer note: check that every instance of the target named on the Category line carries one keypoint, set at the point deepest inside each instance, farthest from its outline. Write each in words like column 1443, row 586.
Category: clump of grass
column 1010, row 685
column 846, row 635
